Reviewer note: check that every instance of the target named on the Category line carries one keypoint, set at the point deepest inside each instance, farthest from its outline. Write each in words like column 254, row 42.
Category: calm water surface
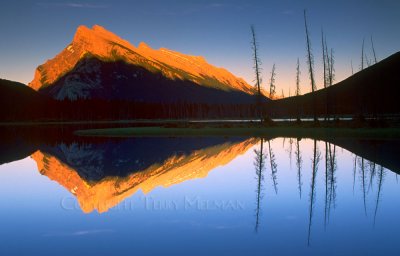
column 199, row 196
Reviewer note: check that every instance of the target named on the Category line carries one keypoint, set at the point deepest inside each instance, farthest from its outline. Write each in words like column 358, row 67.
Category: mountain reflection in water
column 323, row 175
column 102, row 175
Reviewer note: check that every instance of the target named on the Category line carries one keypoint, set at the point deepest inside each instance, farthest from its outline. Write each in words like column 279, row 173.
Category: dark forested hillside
column 371, row 92
column 19, row 102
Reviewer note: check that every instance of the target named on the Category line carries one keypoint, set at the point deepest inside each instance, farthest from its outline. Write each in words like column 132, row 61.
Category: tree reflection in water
column 259, row 163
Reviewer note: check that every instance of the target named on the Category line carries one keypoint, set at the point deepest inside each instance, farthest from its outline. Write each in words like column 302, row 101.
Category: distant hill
column 372, row 91
column 97, row 64
column 19, row 102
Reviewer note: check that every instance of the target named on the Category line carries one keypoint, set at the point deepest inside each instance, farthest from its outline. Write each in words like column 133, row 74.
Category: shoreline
column 276, row 131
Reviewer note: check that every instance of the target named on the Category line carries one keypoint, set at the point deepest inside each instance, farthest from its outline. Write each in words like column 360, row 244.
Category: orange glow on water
column 110, row 191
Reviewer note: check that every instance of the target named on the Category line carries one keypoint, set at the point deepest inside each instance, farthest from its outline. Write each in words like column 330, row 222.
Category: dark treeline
column 21, row 103
column 114, row 110
column 99, row 110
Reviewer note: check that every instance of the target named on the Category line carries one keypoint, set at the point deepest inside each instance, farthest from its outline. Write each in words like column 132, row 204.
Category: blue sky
column 34, row 31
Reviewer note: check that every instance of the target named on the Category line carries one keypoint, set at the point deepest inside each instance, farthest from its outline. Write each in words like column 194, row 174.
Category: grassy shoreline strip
column 313, row 132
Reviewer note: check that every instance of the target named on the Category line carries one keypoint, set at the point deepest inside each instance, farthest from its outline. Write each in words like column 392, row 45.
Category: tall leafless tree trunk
column 298, row 92
column 372, row 172
column 351, row 64
column 257, row 69
column 325, row 66
column 328, row 63
column 272, row 88
column 315, row 162
column 274, row 167
column 332, row 179
column 310, row 57
column 330, row 74
column 380, row 182
column 362, row 55
column 363, row 185
column 331, row 68
column 373, row 51
column 324, row 57
column 310, row 61
column 259, row 164
column 367, row 60
column 326, row 184
column 299, row 161
column 290, row 151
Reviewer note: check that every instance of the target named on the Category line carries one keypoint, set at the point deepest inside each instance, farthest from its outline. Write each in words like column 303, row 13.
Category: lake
column 66, row 195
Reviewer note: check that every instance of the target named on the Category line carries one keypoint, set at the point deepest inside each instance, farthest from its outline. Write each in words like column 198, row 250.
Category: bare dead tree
column 299, row 162
column 259, row 164
column 328, row 63
column 310, row 57
column 325, row 60
column 362, row 168
column 362, row 55
column 380, row 182
column 367, row 60
column 290, row 151
column 351, row 64
column 324, row 57
column 298, row 92
column 274, row 167
column 329, row 75
column 331, row 68
column 326, row 184
column 257, row 68
column 310, row 62
column 315, row 163
column 272, row 87
column 354, row 171
column 330, row 180
column 332, row 166
column 373, row 51
column 372, row 172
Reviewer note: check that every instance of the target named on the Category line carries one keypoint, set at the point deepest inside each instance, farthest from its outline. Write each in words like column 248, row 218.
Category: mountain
column 369, row 92
column 98, row 64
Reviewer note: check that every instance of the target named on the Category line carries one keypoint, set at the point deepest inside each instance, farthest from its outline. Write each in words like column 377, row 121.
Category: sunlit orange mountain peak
column 196, row 66
column 97, row 42
column 110, row 191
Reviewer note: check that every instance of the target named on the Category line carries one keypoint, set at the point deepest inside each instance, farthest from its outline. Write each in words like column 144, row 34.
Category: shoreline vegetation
column 323, row 129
